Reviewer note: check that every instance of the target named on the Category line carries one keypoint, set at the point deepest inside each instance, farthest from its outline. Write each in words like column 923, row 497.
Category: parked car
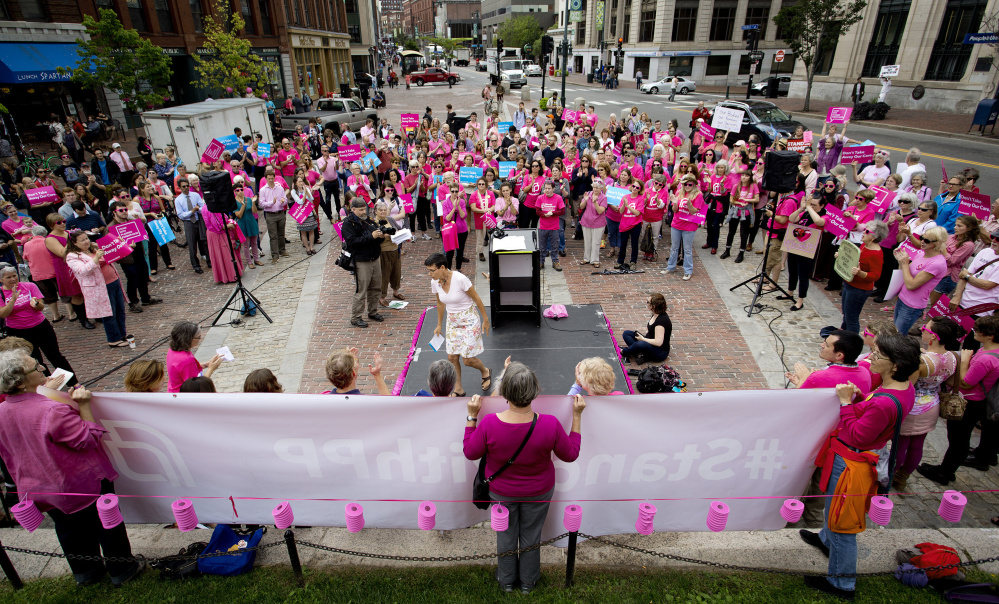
column 783, row 86
column 683, row 85
column 532, row 69
column 330, row 113
column 762, row 118
column 433, row 74
column 361, row 77
column 480, row 64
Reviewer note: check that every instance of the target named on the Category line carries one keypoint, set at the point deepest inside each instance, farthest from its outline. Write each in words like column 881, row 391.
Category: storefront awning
column 36, row 63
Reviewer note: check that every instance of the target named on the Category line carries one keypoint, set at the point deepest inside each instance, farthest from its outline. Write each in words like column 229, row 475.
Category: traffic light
column 547, row 45
column 499, row 47
column 620, row 41
column 751, row 39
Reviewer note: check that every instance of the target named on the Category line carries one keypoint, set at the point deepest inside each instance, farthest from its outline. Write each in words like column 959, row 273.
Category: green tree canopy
column 228, row 62
column 519, row 31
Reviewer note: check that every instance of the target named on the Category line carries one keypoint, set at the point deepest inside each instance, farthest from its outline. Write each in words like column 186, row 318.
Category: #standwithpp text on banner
column 693, row 447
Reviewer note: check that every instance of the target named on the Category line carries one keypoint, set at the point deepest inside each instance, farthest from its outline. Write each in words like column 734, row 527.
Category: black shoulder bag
column 893, row 454
column 480, row 485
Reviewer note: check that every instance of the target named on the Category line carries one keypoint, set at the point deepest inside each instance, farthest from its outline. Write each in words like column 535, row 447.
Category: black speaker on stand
column 780, row 173
column 216, row 189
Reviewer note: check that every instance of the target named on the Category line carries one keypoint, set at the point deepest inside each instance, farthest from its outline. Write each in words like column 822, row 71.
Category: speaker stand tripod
column 760, row 278
column 240, row 294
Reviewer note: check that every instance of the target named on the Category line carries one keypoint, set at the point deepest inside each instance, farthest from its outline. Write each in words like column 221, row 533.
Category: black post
column 296, row 564
column 9, row 570
column 570, row 559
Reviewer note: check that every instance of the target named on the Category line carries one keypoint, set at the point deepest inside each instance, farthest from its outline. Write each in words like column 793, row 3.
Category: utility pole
column 565, row 51
column 755, row 56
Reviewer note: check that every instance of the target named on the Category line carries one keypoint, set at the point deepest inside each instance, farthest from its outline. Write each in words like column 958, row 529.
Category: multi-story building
column 495, row 12
column 391, row 16
column 362, row 25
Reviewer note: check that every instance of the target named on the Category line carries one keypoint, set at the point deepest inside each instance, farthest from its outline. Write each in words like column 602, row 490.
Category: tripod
column 244, row 295
column 760, row 277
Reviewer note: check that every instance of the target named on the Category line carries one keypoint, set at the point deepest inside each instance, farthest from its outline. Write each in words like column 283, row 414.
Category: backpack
column 180, row 566
column 657, row 379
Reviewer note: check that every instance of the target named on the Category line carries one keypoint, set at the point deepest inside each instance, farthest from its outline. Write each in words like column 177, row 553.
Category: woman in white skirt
column 456, row 294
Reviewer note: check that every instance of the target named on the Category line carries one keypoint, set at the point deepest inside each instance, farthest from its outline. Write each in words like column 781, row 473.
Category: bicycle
column 33, row 160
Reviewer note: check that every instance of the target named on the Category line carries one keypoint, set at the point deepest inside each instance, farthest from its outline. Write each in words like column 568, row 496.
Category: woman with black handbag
column 524, row 484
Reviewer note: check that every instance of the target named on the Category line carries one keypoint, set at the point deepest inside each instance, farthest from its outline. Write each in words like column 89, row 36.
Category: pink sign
column 838, row 224
column 808, row 136
column 570, row 115
column 838, row 115
column 908, row 247
column 883, row 199
column 213, row 152
column 407, row 202
column 131, row 231
column 660, row 138
column 300, row 211
column 700, row 217
column 353, row 152
column 975, row 204
column 942, row 309
column 337, row 227
column 857, row 154
column 115, row 248
column 409, row 120
column 41, row 195
column 707, row 130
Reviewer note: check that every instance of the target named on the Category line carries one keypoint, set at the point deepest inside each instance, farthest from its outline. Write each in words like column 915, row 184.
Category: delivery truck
column 191, row 128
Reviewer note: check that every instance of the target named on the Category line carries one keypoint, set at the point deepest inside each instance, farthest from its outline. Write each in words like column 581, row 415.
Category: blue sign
column 505, row 167
column 504, row 127
column 981, row 38
column 754, row 26
column 614, row 195
column 161, row 231
column 230, row 142
column 468, row 176
column 371, row 157
column 264, row 149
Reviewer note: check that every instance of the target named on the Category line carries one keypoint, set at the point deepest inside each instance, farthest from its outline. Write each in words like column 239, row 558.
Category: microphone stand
column 244, row 295
column 760, row 277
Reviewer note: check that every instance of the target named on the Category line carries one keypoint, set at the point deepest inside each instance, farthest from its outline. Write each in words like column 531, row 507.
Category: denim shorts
column 946, row 286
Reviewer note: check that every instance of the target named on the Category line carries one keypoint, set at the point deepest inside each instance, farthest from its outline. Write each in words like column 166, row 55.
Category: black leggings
column 164, row 251
column 461, row 251
column 743, row 226
column 332, row 190
column 423, row 213
column 799, row 269
column 43, row 340
column 633, row 234
column 137, row 279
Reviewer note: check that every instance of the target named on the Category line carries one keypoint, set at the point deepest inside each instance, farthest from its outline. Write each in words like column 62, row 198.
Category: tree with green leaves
column 121, row 61
column 815, row 26
column 519, row 31
column 228, row 62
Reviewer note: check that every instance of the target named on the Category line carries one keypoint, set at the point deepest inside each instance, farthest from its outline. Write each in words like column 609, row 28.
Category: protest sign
column 726, row 118
column 570, row 115
column 802, row 241
column 264, row 149
column 505, row 167
column 838, row 115
column 942, row 309
column 504, row 128
column 706, row 131
column 131, row 231
column 40, row 195
column 698, row 217
column 115, row 248
column 350, row 152
column 212, row 152
column 373, row 159
column 614, row 195
column 847, row 257
column 889, row 71
column 230, row 143
column 978, row 205
column 799, row 145
column 409, row 120
column 300, row 211
column 838, row 224
column 407, row 202
column 468, row 176
column 161, row 231
column 883, row 199
column 861, row 154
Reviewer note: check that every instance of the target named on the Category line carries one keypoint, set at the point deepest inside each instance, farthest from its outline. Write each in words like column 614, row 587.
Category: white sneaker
column 686, row 277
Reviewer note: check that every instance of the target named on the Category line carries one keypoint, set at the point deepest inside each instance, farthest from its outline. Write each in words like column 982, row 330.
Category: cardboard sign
column 131, row 231
column 407, row 202
column 801, row 240
column 504, row 128
column 726, row 118
column 264, row 149
column 861, row 154
column 570, row 115
column 41, row 195
column 838, row 224
column 889, row 71
column 350, row 152
column 505, row 167
column 799, row 145
column 300, row 211
column 838, row 115
column 468, row 176
column 614, row 195
column 213, row 152
column 883, row 199
column 371, row 157
column 231, row 142
column 161, row 231
column 847, row 257
column 409, row 120
column 975, row 204
column 942, row 309
column 115, row 248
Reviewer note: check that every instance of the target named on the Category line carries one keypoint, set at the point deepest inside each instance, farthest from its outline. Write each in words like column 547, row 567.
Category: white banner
column 684, row 449
column 726, row 118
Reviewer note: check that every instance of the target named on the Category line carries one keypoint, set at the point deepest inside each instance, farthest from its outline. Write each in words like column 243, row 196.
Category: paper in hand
column 436, row 342
column 225, row 353
column 62, row 372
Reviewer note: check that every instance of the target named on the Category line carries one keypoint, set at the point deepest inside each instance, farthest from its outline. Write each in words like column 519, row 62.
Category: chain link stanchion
column 570, row 559
column 9, row 570
column 467, row 558
column 296, row 564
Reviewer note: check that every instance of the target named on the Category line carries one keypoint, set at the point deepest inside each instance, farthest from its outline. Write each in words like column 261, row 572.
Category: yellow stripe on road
column 965, row 161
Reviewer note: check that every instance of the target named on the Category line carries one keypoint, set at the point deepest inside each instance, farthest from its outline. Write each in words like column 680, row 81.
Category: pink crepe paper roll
column 108, row 511
column 27, row 515
column 952, row 506
column 880, row 511
column 792, row 510
column 646, row 519
column 355, row 517
column 426, row 516
column 717, row 516
column 500, row 518
column 183, row 512
column 283, row 516
column 572, row 518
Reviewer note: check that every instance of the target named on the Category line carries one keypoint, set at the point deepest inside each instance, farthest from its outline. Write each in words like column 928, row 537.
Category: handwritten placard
column 505, row 167
column 978, row 205
column 614, row 195
column 131, row 231
column 468, row 176
column 706, row 130
column 350, row 152
column 838, row 224
column 801, row 240
column 264, row 149
column 212, row 152
column 409, row 120
column 726, row 118
column 300, row 211
column 883, row 199
column 847, row 257
column 861, row 154
column 942, row 309
column 838, row 115
column 115, row 248
column 40, row 195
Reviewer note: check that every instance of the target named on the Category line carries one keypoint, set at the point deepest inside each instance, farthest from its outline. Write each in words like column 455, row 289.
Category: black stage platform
column 552, row 350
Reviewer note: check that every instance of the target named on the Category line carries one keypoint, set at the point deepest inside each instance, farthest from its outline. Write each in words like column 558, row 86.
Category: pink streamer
column 624, row 369
column 401, row 380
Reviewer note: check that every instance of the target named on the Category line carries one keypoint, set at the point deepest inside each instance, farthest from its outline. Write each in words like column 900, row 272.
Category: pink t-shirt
column 868, row 424
column 181, row 366
column 549, row 204
column 833, row 375
column 983, row 371
column 936, row 266
column 39, row 259
column 681, row 224
column 655, row 204
column 23, row 316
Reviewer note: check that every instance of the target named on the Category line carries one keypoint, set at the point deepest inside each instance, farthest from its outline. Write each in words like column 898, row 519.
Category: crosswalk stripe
column 598, row 103
column 616, row 102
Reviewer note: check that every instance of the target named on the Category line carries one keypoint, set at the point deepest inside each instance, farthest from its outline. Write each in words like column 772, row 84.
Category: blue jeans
column 853, row 303
column 687, row 237
column 613, row 233
column 655, row 354
column 548, row 244
column 842, row 546
column 946, row 286
column 905, row 316
column 561, row 233
column 114, row 326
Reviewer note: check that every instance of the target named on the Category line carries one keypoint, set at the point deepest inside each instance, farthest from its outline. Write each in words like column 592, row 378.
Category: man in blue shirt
column 948, row 203
column 86, row 220
column 104, row 169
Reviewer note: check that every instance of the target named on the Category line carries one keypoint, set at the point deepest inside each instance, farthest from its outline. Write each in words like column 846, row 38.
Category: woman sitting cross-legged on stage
column 654, row 345
column 456, row 295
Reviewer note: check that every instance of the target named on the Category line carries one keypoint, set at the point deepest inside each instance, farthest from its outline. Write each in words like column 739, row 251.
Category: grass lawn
column 465, row 584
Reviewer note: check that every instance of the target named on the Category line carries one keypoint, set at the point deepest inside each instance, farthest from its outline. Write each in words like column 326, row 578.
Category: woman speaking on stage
column 456, row 295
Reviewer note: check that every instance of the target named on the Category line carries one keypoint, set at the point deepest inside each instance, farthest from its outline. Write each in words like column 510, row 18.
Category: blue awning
column 36, row 63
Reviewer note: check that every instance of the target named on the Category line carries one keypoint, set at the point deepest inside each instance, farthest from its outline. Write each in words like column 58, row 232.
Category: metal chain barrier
column 778, row 571
column 35, row 552
column 469, row 557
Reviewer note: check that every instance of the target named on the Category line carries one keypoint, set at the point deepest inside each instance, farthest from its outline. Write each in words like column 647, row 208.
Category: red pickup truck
column 433, row 74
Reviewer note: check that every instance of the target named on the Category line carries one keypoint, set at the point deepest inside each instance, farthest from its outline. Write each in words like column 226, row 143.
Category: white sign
column 726, row 118
column 889, row 71
column 322, row 451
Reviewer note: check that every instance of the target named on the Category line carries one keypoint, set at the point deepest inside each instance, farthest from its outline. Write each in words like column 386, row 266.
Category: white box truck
column 190, row 128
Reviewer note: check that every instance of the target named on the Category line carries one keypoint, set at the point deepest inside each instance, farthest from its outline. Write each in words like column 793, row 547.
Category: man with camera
column 362, row 239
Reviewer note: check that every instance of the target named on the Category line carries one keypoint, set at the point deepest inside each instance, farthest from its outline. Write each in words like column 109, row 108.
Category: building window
column 722, row 23
column 244, row 10
column 355, row 33
column 163, row 17
column 199, row 26
column 265, row 17
column 137, row 15
column 580, row 31
column 826, row 56
column 647, row 21
column 745, row 64
column 351, row 6
column 305, row 10
column 641, row 64
column 717, row 65
column 887, row 36
column 983, row 64
column 626, row 32
column 297, row 12
column 757, row 14
column 681, row 66
column 784, row 4
column 613, row 26
column 950, row 55
column 684, row 23
column 32, row 10
column 4, row 15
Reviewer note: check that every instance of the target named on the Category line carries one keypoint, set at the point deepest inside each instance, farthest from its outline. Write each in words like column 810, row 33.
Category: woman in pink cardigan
column 52, row 447
column 102, row 292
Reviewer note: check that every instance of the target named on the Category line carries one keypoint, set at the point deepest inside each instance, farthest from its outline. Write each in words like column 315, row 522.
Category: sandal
column 152, row 272
column 398, row 296
column 487, row 381
column 596, row 265
column 121, row 344
column 460, row 394
column 382, row 302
